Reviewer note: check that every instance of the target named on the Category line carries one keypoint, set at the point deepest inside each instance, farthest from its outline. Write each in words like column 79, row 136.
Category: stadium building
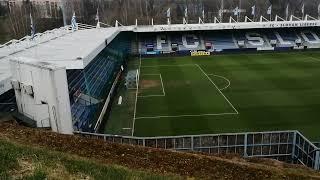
column 65, row 79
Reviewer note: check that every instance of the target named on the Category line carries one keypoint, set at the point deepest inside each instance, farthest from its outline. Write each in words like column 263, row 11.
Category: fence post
column 317, row 160
column 192, row 143
column 294, row 145
column 245, row 154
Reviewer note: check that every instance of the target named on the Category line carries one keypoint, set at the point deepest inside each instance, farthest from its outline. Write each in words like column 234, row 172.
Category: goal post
column 132, row 79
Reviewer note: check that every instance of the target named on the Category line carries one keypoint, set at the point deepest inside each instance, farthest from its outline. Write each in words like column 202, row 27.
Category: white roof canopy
column 74, row 50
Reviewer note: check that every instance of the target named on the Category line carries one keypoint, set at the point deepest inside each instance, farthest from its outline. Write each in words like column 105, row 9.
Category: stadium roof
column 278, row 22
column 74, row 50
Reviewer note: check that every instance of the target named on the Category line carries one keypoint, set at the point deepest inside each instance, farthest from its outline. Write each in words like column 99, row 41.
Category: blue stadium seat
column 94, row 81
column 220, row 41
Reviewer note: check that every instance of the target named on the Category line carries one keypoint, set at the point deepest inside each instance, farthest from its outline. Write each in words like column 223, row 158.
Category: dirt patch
column 154, row 160
column 147, row 84
column 26, row 168
column 60, row 172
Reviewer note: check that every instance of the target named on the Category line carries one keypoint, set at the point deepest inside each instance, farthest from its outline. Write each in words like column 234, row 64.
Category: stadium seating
column 220, row 41
column 83, row 116
column 122, row 43
column 94, row 82
column 288, row 36
column 260, row 39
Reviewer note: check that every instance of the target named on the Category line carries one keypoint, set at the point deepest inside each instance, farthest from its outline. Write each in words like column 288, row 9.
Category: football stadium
column 244, row 87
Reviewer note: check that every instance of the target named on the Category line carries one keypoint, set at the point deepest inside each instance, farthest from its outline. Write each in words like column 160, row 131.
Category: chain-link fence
column 287, row 146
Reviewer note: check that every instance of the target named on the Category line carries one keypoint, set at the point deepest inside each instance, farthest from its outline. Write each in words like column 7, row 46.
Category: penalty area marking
column 194, row 115
column 198, row 115
column 155, row 95
column 228, row 81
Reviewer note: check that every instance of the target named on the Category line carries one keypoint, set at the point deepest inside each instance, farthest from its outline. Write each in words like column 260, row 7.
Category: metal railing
column 26, row 42
column 287, row 146
column 305, row 152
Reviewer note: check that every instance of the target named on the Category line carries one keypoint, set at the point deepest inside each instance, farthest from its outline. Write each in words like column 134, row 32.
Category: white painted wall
column 49, row 105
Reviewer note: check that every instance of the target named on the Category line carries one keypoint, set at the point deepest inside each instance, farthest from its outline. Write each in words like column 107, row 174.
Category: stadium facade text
column 200, row 53
column 305, row 24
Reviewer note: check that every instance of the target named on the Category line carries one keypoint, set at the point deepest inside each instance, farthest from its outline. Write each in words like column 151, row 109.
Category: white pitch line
column 187, row 115
column 168, row 65
column 217, row 88
column 164, row 92
column 229, row 83
column 149, row 74
column 313, row 58
column 135, row 104
column 151, row 96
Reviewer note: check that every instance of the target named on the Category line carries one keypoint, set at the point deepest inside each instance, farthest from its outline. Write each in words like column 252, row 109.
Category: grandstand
column 218, row 41
column 88, row 88
column 73, row 80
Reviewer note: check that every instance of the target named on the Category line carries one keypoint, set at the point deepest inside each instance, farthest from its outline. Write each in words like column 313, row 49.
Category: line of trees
column 126, row 11
column 15, row 22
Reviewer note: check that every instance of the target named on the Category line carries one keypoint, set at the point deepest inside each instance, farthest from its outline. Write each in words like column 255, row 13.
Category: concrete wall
column 42, row 93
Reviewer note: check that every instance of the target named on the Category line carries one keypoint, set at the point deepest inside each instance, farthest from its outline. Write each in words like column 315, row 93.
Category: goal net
column 132, row 79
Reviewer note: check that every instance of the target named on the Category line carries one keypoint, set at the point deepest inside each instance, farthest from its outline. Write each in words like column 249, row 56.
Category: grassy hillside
column 59, row 156
column 23, row 162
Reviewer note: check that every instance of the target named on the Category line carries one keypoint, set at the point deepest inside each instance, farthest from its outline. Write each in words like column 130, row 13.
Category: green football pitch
column 221, row 94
